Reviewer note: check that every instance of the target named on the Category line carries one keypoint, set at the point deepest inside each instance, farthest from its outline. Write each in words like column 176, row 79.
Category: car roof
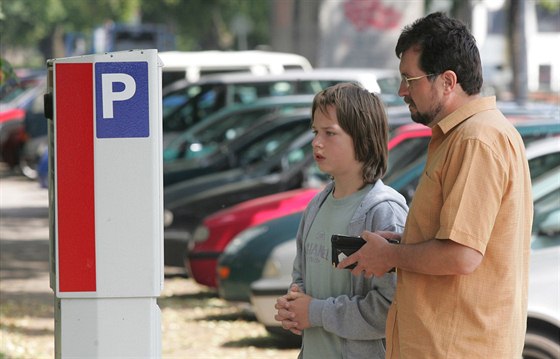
column 263, row 102
column 217, row 58
column 366, row 76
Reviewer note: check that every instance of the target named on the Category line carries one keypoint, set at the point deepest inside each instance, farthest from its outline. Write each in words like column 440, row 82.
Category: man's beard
column 423, row 119
column 427, row 117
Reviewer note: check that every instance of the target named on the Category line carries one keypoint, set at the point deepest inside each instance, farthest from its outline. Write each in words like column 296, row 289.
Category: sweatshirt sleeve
column 363, row 315
column 297, row 276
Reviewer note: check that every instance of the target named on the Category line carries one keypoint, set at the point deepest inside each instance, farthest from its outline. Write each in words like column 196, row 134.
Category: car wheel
column 28, row 169
column 540, row 345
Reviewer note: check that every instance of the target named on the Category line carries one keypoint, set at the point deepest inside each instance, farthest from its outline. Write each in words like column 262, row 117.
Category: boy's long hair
column 361, row 115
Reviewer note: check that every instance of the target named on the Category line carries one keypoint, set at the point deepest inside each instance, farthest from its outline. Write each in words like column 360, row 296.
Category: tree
column 42, row 24
column 206, row 24
column 198, row 24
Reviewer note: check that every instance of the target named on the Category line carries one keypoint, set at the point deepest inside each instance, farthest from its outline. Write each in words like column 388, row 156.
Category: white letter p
column 109, row 96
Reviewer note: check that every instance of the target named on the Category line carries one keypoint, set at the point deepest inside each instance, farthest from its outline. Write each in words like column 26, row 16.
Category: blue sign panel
column 121, row 99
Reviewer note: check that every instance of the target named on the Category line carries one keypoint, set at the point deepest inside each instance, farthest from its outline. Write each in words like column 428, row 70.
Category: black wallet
column 343, row 246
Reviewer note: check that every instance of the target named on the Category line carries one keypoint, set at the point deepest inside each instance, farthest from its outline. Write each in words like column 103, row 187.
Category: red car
column 16, row 98
column 218, row 229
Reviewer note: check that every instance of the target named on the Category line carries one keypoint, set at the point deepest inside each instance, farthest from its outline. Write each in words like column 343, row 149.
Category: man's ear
column 449, row 80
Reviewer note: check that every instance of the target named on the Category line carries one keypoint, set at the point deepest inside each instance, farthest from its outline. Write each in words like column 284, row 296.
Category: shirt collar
column 466, row 111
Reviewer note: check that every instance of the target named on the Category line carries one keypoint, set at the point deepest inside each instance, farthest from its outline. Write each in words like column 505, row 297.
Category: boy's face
column 333, row 148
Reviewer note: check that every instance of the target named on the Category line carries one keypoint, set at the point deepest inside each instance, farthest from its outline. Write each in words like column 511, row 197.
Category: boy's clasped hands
column 293, row 310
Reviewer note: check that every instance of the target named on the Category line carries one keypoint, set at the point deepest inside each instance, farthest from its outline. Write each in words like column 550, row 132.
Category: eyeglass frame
column 408, row 79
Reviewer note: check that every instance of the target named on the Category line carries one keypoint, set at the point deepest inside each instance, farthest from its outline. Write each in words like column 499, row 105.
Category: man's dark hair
column 444, row 44
column 361, row 115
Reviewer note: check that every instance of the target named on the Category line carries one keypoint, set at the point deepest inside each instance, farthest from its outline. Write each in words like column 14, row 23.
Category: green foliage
column 28, row 22
column 197, row 24
column 550, row 5
column 6, row 71
column 205, row 24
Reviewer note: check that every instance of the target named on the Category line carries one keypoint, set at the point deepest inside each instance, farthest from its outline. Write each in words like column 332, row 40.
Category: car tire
column 28, row 169
column 539, row 345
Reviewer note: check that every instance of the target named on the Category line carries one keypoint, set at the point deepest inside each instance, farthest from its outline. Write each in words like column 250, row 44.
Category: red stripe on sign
column 75, row 182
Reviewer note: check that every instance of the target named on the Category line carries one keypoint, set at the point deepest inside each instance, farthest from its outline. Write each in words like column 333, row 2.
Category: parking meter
column 106, row 203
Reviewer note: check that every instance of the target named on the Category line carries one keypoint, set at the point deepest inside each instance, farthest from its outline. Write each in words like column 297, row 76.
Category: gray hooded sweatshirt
column 359, row 317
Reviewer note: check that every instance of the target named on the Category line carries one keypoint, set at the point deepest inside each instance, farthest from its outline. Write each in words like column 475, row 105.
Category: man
column 462, row 265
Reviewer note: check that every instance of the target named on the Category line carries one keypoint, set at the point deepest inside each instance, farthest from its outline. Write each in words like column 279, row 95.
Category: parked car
column 228, row 124
column 35, row 137
column 185, row 103
column 543, row 314
column 405, row 179
column 259, row 141
column 244, row 258
column 15, row 102
column 234, row 276
column 281, row 167
column 191, row 65
column 276, row 277
column 217, row 230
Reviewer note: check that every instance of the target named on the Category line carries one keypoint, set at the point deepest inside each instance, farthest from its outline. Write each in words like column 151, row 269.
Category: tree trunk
column 518, row 49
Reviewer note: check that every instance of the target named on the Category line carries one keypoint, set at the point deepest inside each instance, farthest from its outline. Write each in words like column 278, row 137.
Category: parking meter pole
column 106, row 203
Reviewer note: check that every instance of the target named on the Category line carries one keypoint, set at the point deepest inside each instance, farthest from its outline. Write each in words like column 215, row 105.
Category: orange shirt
column 476, row 191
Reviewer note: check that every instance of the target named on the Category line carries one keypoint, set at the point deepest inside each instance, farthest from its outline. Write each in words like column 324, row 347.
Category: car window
column 206, row 137
column 179, row 116
column 272, row 142
column 389, row 90
column 540, row 165
column 298, row 155
column 205, row 140
column 546, row 209
column 405, row 153
column 186, row 106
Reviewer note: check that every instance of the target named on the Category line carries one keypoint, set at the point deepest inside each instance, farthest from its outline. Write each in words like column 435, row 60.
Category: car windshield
column 405, row 153
column 543, row 164
column 188, row 105
column 183, row 109
column 389, row 90
column 273, row 142
column 206, row 138
column 546, row 194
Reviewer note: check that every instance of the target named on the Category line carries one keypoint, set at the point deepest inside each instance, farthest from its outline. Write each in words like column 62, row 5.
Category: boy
column 341, row 315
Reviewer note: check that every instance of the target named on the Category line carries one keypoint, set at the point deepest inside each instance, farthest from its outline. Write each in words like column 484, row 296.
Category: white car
column 191, row 65
column 276, row 279
column 543, row 315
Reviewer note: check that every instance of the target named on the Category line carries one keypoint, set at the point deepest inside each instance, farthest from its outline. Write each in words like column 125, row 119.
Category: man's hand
column 375, row 257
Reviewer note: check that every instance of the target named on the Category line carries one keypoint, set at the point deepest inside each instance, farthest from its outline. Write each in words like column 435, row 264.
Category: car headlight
column 167, row 218
column 281, row 260
column 201, row 233
column 271, row 269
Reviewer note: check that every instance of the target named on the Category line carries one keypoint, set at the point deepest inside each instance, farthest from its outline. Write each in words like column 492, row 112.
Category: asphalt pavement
column 24, row 237
column 195, row 323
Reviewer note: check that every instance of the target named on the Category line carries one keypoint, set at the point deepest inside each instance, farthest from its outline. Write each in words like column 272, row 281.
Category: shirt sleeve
column 473, row 182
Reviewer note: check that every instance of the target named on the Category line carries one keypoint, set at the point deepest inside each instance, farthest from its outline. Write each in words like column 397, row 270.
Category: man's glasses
column 408, row 79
